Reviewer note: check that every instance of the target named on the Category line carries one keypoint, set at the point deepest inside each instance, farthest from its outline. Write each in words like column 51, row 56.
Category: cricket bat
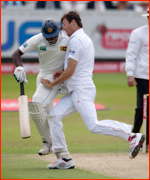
column 24, row 113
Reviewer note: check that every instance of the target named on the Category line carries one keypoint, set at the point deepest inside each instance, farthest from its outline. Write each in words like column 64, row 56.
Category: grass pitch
column 112, row 91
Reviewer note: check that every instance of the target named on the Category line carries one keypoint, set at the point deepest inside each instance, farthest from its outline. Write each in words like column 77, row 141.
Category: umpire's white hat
column 147, row 14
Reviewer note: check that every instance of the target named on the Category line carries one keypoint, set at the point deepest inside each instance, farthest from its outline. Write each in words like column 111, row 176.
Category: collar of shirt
column 76, row 32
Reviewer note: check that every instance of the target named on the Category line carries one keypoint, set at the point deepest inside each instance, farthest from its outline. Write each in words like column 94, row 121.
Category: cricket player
column 137, row 69
column 51, row 45
column 78, row 68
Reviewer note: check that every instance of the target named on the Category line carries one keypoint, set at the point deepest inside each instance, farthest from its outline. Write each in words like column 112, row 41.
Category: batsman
column 50, row 45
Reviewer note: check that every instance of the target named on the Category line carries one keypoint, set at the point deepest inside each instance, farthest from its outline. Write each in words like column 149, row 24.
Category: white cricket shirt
column 51, row 58
column 81, row 49
column 137, row 55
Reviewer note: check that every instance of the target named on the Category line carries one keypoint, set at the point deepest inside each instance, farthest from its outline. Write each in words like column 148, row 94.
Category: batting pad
column 38, row 114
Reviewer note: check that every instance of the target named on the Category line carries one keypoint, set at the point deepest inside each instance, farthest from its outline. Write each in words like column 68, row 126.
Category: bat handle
column 22, row 89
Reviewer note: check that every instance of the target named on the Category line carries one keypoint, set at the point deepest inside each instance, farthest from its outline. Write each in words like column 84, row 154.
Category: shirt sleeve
column 29, row 45
column 75, row 49
column 132, row 53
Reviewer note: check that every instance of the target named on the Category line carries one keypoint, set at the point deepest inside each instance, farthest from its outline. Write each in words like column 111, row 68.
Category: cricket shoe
column 136, row 141
column 62, row 163
column 46, row 149
column 147, row 148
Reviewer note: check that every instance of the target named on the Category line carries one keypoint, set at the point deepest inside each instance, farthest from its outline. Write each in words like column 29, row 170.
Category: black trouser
column 142, row 88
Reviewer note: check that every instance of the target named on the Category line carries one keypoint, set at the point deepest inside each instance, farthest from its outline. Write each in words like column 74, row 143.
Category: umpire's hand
column 131, row 81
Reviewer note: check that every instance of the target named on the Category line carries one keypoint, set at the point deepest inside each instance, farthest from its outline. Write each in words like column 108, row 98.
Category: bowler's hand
column 57, row 74
column 131, row 81
column 46, row 83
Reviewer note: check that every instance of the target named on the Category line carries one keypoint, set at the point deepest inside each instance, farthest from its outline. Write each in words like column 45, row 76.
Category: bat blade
column 24, row 117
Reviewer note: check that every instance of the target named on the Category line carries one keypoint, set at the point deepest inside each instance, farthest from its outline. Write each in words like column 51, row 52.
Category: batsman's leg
column 38, row 114
column 45, row 97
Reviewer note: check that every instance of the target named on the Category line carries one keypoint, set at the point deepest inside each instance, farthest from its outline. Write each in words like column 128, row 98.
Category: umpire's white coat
column 82, row 96
column 137, row 55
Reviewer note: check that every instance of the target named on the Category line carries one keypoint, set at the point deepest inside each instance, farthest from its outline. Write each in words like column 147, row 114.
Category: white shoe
column 136, row 141
column 46, row 149
column 62, row 163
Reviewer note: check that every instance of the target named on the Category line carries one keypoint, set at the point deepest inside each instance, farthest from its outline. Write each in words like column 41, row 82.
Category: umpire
column 137, row 69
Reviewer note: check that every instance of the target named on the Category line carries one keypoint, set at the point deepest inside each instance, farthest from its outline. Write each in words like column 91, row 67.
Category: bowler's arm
column 68, row 72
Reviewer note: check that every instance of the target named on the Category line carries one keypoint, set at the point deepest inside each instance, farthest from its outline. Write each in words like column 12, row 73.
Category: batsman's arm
column 19, row 73
column 16, row 57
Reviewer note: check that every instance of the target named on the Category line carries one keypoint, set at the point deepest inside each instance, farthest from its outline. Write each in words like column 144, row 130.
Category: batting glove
column 20, row 75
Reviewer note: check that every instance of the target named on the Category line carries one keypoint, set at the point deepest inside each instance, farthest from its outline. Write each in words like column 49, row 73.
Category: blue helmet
column 50, row 28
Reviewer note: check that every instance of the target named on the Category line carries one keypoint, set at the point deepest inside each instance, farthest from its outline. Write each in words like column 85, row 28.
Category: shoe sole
column 43, row 154
column 137, row 148
column 71, row 167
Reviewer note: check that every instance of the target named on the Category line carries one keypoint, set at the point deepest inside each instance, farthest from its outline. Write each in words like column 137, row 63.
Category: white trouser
column 82, row 101
column 43, row 95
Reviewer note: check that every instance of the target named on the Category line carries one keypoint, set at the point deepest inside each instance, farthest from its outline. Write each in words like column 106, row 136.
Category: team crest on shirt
column 25, row 45
column 43, row 48
column 63, row 48
column 71, row 51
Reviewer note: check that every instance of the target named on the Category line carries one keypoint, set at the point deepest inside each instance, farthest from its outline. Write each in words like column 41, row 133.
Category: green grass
column 25, row 168
column 112, row 91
